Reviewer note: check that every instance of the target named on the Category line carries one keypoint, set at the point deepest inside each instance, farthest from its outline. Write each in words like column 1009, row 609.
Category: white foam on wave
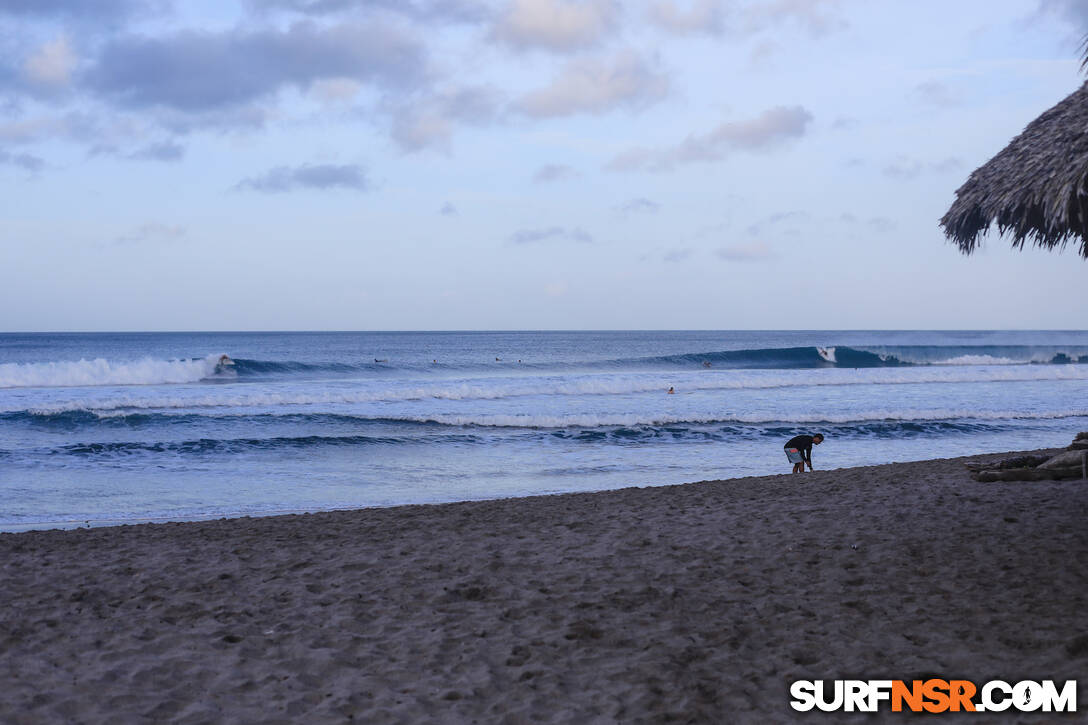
column 97, row 372
column 247, row 397
column 590, row 420
column 979, row 360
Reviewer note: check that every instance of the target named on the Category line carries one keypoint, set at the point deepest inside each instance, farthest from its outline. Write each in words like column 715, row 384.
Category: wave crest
column 97, row 372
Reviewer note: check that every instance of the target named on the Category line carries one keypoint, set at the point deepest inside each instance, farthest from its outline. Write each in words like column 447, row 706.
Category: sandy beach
column 693, row 603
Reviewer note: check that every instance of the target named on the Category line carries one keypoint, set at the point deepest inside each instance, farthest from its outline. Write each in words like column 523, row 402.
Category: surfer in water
column 799, row 450
column 224, row 367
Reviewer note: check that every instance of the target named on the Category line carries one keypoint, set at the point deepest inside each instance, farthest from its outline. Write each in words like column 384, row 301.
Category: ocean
column 106, row 428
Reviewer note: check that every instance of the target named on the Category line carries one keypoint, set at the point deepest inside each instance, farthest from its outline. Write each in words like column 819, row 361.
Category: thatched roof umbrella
column 1036, row 188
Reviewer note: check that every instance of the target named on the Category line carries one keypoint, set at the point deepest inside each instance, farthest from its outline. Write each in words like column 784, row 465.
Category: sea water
column 113, row 428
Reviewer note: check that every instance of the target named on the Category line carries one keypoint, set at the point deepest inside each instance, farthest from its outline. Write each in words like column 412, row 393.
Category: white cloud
column 51, row 64
column 784, row 222
column 1074, row 11
column 702, row 16
column 429, row 120
column 818, row 17
column 152, row 232
column 532, row 236
column 308, row 176
column 28, row 162
column 553, row 172
column 161, row 151
column 193, row 72
column 71, row 126
column 743, row 19
column 907, row 168
column 556, row 25
column 771, row 128
column 417, row 128
column 335, row 90
column 598, row 86
column 29, row 130
column 641, row 204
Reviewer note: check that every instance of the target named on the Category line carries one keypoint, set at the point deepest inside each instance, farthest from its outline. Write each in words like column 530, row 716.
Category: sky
column 521, row 164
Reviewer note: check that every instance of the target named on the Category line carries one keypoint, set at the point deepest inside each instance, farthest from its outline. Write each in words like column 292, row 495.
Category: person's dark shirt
column 804, row 444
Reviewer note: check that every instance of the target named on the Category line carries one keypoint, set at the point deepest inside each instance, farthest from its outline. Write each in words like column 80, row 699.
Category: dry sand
column 694, row 603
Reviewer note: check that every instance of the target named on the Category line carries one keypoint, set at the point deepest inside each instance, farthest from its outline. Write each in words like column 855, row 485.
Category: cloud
column 905, row 169
column 779, row 220
column 428, row 121
column 640, row 205
column 745, row 252
column 951, row 163
column 712, row 230
column 532, row 236
column 93, row 9
column 770, row 129
column 27, row 162
column 162, row 151
column 556, row 25
column 463, row 11
column 335, row 90
column 745, row 19
column 159, row 151
column 472, row 104
column 152, row 232
column 1074, row 11
column 818, row 17
column 876, row 223
column 418, row 128
column 73, row 127
column 308, row 176
column 703, row 16
column 598, row 86
column 881, row 224
column 553, row 172
column 31, row 130
column 51, row 64
column 192, row 71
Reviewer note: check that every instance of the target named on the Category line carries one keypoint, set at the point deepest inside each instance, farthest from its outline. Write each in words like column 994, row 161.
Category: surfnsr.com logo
column 933, row 696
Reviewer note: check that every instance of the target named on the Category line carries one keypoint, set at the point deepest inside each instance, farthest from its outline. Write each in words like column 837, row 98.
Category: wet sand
column 693, row 603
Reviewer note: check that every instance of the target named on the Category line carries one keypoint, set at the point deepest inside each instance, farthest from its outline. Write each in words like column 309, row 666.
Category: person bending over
column 799, row 450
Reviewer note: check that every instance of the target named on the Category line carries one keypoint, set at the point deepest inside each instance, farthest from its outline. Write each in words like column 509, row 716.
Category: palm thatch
column 1036, row 188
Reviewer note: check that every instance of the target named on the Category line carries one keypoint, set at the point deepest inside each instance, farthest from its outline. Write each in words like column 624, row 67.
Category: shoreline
column 698, row 601
column 114, row 522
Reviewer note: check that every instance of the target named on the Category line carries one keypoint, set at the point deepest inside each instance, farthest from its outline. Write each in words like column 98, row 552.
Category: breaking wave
column 202, row 398
column 148, row 371
column 89, row 373
column 876, row 357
